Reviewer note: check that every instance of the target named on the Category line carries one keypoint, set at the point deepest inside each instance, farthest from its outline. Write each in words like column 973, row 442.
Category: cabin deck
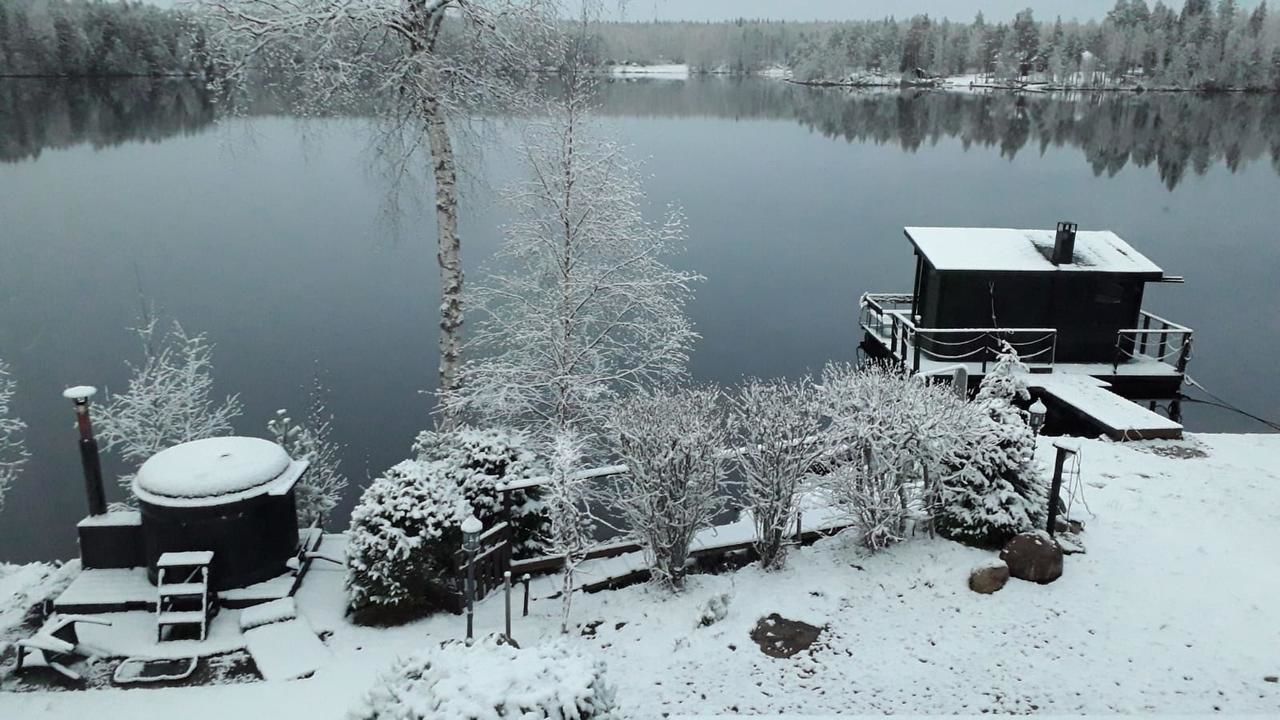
column 1091, row 400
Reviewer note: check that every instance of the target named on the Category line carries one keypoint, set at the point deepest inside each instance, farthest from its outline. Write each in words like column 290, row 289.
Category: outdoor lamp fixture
column 471, row 528
column 1038, row 412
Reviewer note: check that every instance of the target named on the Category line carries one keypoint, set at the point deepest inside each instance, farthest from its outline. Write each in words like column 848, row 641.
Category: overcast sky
column 840, row 9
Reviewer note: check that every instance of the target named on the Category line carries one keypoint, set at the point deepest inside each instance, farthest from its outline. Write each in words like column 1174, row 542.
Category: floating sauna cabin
column 233, row 496
column 1069, row 301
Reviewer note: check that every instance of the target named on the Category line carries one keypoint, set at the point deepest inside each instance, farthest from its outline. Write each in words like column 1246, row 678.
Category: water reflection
column 1172, row 133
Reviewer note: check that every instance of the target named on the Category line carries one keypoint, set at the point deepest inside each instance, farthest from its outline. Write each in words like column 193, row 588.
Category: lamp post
column 471, row 528
column 1038, row 412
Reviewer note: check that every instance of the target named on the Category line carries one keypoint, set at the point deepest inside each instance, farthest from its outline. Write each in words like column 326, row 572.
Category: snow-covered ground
column 1172, row 610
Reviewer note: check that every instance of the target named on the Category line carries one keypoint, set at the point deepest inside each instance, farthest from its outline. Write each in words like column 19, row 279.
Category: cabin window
column 1109, row 293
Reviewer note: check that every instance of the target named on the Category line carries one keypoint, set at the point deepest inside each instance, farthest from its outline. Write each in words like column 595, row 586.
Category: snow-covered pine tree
column 997, row 488
column 582, row 305
column 672, row 441
column 777, row 428
column 322, row 485
column 169, row 399
column 13, row 453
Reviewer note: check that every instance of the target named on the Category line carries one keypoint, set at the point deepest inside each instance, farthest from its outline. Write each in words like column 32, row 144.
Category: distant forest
column 1203, row 45
column 78, row 38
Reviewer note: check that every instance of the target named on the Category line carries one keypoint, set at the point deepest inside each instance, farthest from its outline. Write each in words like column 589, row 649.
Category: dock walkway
column 1090, row 398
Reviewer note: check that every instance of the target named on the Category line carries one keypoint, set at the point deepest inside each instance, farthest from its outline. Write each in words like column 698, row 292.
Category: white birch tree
column 778, row 439
column 672, row 441
column 567, row 497
column 13, row 452
column 169, row 400
column 582, row 306
column 422, row 63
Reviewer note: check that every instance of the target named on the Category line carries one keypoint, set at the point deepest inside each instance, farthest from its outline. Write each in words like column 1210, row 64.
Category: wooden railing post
column 1185, row 356
column 1146, row 326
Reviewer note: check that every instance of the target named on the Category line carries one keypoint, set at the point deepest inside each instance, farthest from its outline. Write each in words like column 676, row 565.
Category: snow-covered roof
column 1009, row 250
column 211, row 468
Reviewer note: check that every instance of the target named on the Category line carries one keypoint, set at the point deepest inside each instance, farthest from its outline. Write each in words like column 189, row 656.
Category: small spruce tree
column 996, row 489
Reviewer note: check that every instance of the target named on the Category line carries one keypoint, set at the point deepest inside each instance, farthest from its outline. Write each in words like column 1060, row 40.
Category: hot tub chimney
column 1064, row 244
column 88, row 448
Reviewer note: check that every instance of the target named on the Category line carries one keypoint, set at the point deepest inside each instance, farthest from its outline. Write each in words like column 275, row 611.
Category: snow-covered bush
column 672, row 442
column 402, row 546
column 996, row 489
column 169, row 399
column 777, row 438
column 893, row 436
column 12, row 451
column 404, row 542
column 479, row 461
column 322, row 485
column 491, row 679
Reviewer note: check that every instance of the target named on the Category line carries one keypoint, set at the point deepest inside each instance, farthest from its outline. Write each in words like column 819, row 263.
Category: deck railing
column 888, row 317
column 1158, row 339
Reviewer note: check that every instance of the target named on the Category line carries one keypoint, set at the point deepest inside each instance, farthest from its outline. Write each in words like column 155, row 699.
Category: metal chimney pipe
column 89, row 459
column 1064, row 244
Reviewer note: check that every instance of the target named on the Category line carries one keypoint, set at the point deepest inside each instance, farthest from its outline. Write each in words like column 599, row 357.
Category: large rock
column 1033, row 556
column 989, row 577
column 781, row 638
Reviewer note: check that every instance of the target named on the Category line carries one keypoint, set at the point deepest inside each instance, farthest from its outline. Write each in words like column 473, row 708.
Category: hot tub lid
column 215, row 470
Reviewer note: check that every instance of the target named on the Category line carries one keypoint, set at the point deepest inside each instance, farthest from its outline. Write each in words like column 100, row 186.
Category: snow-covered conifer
column 13, row 453
column 672, row 442
column 169, row 399
column 582, row 305
column 996, row 489
column 778, row 439
column 322, row 485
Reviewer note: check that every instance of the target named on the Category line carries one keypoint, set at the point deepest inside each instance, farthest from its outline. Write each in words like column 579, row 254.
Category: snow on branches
column 13, row 453
column 405, row 537
column 567, row 496
column 582, row 305
column 672, row 442
column 322, row 485
column 778, row 439
column 893, row 436
column 169, row 399
column 997, row 489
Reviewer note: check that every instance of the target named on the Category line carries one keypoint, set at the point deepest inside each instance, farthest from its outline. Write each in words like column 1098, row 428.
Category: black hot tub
column 231, row 495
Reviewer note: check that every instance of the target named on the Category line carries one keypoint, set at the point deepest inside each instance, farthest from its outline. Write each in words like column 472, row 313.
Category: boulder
column 779, row 637
column 989, row 577
column 1033, row 556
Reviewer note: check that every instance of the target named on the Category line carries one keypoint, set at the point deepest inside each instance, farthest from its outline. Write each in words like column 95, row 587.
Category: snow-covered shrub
column 672, row 442
column 892, row 437
column 479, row 461
column 996, row 489
column 402, row 546
column 491, row 679
column 777, row 436
column 404, row 543
column 12, row 451
column 322, row 485
column 715, row 610
column 169, row 399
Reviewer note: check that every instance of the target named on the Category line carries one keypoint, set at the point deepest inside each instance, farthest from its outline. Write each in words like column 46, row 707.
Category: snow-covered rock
column 1033, row 556
column 989, row 577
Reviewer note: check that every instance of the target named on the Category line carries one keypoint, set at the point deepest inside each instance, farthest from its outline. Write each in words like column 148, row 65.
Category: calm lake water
column 271, row 234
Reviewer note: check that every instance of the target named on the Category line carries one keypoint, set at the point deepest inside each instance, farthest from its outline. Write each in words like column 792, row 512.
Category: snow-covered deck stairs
column 1120, row 419
column 182, row 592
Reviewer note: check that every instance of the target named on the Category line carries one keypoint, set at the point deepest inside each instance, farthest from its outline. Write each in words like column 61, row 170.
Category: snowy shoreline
column 1169, row 611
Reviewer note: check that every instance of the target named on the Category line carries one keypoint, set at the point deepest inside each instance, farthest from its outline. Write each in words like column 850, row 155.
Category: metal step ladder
column 182, row 584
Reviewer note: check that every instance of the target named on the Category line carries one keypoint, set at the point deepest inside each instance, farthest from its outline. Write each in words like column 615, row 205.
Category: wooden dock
column 1091, row 400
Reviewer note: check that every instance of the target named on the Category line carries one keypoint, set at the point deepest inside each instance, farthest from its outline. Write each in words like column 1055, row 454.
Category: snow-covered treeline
column 12, row 451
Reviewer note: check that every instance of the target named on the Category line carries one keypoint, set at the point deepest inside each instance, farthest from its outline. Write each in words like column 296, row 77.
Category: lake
column 274, row 236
